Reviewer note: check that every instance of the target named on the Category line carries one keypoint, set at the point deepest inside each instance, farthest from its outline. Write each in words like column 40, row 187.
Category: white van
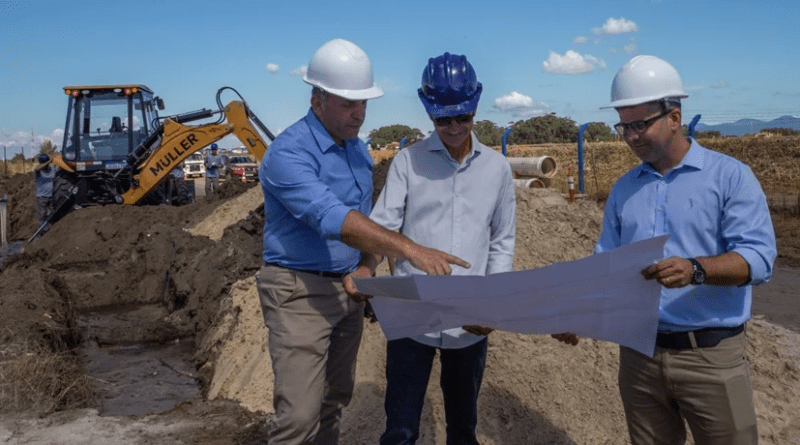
column 193, row 166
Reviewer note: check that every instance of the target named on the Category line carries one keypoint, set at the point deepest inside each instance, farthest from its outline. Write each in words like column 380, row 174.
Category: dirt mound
column 198, row 261
column 21, row 191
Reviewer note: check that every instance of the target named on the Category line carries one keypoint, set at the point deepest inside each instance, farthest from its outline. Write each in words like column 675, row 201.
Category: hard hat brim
column 643, row 100
column 373, row 92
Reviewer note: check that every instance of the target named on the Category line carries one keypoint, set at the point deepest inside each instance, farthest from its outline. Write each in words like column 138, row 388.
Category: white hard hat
column 645, row 79
column 342, row 68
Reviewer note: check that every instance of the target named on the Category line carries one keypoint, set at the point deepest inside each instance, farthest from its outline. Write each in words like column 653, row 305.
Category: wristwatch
column 698, row 273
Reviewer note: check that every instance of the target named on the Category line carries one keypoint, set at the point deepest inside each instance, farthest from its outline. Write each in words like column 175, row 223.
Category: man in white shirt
column 452, row 193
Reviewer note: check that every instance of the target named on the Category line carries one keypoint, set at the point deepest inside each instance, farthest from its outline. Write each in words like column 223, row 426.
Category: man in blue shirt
column 453, row 193
column 721, row 243
column 45, row 172
column 214, row 163
column 317, row 183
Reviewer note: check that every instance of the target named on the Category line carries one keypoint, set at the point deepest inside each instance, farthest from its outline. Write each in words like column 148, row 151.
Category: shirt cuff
column 331, row 224
column 760, row 271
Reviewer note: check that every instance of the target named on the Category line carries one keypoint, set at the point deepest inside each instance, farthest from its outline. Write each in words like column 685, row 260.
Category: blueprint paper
column 602, row 296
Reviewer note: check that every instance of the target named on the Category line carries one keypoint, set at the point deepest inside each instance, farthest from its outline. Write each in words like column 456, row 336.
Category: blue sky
column 737, row 59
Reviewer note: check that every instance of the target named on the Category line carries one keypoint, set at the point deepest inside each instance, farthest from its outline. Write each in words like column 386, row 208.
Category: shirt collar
column 437, row 145
column 693, row 159
column 321, row 135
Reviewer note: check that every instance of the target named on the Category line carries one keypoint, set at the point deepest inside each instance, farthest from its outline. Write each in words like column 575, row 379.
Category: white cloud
column 616, row 26
column 273, row 67
column 31, row 143
column 572, row 63
column 629, row 48
column 301, row 71
column 519, row 105
column 580, row 40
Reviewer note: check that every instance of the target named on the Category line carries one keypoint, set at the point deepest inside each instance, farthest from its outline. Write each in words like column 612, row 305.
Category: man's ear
column 316, row 104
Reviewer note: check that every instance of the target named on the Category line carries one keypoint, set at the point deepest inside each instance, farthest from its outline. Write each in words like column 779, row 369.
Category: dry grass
column 39, row 380
column 11, row 168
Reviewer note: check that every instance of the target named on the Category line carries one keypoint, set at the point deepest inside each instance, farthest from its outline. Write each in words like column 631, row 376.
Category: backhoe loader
column 117, row 150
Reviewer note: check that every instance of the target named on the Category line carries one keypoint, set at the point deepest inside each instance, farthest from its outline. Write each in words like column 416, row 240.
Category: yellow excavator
column 117, row 149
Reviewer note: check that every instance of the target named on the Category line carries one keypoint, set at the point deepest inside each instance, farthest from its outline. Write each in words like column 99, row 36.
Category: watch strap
column 697, row 269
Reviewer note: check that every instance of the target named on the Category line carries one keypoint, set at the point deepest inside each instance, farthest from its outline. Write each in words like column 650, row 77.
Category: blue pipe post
column 403, row 142
column 580, row 156
column 693, row 124
column 505, row 139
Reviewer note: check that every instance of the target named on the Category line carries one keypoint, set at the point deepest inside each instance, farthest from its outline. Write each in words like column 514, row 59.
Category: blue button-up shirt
column 310, row 184
column 465, row 209
column 709, row 204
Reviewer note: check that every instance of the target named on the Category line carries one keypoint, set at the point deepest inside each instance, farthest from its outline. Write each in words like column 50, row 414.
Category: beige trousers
column 710, row 388
column 314, row 334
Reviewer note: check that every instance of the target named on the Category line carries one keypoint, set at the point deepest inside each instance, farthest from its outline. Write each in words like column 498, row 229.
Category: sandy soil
column 197, row 263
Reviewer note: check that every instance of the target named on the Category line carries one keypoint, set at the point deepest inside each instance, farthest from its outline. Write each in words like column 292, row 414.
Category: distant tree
column 47, row 147
column 395, row 133
column 18, row 157
column 598, row 131
column 544, row 129
column 488, row 133
column 781, row 131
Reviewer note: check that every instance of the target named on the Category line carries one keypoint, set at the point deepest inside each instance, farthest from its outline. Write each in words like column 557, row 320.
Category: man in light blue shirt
column 317, row 183
column 45, row 172
column 721, row 243
column 452, row 193
column 214, row 163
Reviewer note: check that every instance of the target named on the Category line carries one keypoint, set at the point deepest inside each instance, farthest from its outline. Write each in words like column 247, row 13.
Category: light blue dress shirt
column 310, row 184
column 709, row 204
column 214, row 163
column 465, row 209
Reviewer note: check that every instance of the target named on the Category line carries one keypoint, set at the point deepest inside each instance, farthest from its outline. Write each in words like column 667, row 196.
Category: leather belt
column 319, row 273
column 704, row 338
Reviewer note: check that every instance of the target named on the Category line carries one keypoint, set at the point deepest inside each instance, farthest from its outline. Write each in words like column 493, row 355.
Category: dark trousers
column 408, row 369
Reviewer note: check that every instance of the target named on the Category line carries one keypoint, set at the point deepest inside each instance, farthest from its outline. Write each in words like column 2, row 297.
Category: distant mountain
column 751, row 126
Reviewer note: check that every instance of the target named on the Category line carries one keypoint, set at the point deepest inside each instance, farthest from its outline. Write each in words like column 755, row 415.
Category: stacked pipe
column 537, row 172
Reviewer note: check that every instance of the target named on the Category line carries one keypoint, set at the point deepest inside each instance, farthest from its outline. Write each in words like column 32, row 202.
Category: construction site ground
column 141, row 325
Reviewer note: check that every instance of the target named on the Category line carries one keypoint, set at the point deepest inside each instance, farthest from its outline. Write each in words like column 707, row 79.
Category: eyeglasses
column 639, row 126
column 461, row 119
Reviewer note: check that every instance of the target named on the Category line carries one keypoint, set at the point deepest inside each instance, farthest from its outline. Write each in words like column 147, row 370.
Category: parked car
column 193, row 166
column 237, row 167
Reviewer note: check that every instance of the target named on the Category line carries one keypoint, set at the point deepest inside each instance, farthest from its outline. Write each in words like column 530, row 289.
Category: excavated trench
column 135, row 368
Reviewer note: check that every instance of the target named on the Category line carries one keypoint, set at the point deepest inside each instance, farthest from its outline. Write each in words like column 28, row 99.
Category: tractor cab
column 105, row 124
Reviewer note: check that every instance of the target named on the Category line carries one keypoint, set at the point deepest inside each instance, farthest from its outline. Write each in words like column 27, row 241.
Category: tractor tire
column 181, row 195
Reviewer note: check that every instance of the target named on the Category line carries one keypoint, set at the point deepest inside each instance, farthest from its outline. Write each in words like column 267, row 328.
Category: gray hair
column 322, row 94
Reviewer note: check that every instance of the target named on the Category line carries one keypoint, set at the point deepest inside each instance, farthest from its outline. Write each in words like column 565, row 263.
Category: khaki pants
column 212, row 185
column 314, row 334
column 708, row 387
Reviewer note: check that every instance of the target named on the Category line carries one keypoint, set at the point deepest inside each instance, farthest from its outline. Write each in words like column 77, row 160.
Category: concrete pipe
column 529, row 183
column 3, row 220
column 542, row 166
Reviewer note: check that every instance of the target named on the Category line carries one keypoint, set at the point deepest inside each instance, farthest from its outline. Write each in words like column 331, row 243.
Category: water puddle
column 9, row 249
column 134, row 372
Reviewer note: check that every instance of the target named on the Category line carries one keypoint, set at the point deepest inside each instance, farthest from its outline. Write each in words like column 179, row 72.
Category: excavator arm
column 178, row 141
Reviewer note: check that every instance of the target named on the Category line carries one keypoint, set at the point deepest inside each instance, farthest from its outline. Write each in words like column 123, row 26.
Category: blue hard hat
column 449, row 86
column 43, row 158
column 213, row 146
